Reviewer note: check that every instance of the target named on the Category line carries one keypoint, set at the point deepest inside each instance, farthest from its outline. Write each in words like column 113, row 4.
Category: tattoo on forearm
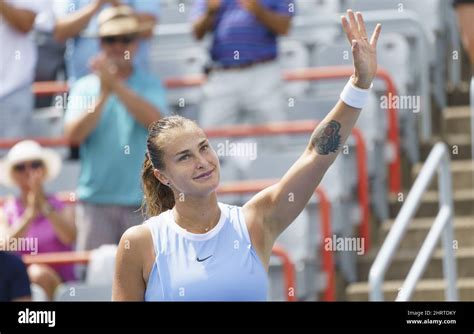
column 326, row 138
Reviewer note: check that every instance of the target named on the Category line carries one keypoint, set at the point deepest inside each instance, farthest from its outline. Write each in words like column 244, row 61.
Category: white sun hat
column 28, row 150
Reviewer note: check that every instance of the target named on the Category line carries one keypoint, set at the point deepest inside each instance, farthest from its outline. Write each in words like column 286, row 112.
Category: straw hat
column 28, row 150
column 120, row 20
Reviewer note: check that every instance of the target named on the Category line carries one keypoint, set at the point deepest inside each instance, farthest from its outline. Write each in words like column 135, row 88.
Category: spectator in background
column 14, row 282
column 465, row 11
column 245, row 79
column 81, row 18
column 112, row 132
column 34, row 214
column 51, row 64
column 17, row 65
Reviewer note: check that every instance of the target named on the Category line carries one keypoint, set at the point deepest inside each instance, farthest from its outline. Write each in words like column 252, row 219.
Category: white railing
column 438, row 160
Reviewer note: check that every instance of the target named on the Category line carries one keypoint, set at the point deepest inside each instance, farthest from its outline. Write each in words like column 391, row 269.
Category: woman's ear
column 163, row 179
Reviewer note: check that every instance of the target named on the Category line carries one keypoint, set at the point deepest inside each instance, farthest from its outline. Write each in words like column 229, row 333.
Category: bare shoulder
column 136, row 239
column 133, row 257
column 137, row 233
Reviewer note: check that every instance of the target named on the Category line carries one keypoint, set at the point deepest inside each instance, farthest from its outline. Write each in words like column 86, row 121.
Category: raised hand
column 106, row 71
column 363, row 51
column 35, row 198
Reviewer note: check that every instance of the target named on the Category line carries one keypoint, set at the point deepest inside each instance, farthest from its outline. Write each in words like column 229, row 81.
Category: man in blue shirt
column 245, row 81
column 14, row 282
column 108, row 114
column 81, row 19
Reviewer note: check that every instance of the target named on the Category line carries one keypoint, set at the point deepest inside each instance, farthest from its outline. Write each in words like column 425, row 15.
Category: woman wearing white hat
column 35, row 215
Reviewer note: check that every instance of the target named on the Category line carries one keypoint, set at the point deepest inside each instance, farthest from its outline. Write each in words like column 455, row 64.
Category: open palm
column 363, row 51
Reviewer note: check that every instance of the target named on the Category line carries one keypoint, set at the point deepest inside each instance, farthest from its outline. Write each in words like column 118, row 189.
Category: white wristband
column 354, row 96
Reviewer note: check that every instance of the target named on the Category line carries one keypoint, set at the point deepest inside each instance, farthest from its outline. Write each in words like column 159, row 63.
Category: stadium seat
column 293, row 55
column 173, row 12
column 101, row 267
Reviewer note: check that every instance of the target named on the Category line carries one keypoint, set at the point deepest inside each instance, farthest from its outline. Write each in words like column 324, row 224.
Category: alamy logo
column 344, row 244
column 19, row 245
column 37, row 317
column 237, row 149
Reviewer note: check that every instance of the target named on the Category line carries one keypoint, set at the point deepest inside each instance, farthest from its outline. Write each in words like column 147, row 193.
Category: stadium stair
column 431, row 287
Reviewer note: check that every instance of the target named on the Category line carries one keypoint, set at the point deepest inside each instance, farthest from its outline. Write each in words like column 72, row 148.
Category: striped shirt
column 239, row 38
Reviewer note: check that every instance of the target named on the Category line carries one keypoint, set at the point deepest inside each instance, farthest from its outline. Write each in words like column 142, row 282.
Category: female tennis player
column 194, row 248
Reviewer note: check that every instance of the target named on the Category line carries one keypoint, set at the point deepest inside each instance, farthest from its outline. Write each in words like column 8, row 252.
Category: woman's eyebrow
column 187, row 151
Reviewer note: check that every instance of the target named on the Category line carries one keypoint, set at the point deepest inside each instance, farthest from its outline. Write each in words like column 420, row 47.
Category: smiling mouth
column 204, row 175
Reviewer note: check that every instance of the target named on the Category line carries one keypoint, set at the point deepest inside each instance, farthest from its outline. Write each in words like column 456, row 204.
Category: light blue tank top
column 220, row 265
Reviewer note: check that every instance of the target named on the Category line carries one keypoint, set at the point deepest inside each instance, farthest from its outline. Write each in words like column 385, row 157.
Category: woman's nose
column 201, row 161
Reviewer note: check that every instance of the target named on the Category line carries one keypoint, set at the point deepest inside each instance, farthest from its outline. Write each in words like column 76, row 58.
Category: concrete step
column 426, row 290
column 403, row 260
column 463, row 203
column 419, row 228
column 459, row 146
column 462, row 174
column 460, row 95
column 457, row 120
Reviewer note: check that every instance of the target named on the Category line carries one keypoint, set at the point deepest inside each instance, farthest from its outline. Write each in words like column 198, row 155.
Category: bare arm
column 20, row 19
column 78, row 130
column 272, row 205
column 17, row 230
column 147, row 18
column 143, row 111
column 204, row 24
column 130, row 269
column 63, row 224
column 72, row 24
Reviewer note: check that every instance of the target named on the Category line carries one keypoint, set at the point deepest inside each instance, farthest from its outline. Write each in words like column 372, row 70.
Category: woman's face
column 191, row 164
column 29, row 174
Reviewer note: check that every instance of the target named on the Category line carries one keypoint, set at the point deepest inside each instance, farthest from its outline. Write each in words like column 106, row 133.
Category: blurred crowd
column 102, row 48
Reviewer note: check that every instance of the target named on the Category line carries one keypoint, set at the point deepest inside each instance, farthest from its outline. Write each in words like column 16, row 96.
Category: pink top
column 41, row 229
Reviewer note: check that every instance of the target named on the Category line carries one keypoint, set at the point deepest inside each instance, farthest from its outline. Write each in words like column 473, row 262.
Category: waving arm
column 270, row 212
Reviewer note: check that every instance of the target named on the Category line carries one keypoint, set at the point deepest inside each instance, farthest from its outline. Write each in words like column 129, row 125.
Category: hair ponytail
column 157, row 196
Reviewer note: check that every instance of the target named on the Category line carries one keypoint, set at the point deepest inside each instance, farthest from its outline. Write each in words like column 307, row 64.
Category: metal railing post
column 438, row 159
column 446, row 200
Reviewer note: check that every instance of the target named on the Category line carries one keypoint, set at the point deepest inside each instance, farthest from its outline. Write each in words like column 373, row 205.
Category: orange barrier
column 253, row 186
column 289, row 271
column 55, row 258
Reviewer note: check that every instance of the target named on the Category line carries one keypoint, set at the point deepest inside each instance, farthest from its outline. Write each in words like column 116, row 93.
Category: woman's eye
column 204, row 147
column 183, row 157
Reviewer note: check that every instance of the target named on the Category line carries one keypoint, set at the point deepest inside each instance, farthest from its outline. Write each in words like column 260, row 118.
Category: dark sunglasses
column 124, row 39
column 33, row 165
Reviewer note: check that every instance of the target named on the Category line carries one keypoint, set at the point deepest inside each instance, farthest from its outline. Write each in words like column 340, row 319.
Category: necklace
column 206, row 229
